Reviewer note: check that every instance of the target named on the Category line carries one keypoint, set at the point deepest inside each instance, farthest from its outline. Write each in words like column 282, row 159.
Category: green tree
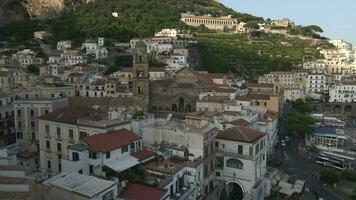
column 252, row 25
column 299, row 124
column 329, row 177
column 33, row 69
column 302, row 106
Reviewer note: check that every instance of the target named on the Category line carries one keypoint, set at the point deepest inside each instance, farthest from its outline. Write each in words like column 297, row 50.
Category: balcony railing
column 234, row 153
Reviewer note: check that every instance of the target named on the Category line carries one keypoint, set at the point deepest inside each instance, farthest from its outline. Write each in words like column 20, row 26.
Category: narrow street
column 296, row 162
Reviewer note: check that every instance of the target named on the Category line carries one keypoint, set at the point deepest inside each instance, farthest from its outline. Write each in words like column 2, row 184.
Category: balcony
column 233, row 153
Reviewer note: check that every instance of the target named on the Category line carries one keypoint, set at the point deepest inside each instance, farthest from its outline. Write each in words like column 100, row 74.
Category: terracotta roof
column 69, row 114
column 269, row 115
column 217, row 75
column 144, row 154
column 241, row 134
column 107, row 102
column 242, row 98
column 140, row 192
column 204, row 78
column 105, row 142
column 259, row 96
column 224, row 89
column 239, row 122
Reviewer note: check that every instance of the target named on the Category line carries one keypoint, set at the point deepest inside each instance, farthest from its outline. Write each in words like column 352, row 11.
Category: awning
column 123, row 163
column 298, row 186
column 286, row 188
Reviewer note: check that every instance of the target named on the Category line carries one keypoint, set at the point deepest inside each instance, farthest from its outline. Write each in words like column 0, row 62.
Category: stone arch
column 347, row 108
column 181, row 104
column 233, row 190
column 327, row 108
column 174, row 107
column 234, row 163
column 337, row 109
column 188, row 108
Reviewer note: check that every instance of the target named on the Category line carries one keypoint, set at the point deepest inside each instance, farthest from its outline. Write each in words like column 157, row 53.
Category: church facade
column 174, row 95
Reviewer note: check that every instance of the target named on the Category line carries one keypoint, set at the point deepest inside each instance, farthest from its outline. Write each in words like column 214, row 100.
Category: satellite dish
column 115, row 14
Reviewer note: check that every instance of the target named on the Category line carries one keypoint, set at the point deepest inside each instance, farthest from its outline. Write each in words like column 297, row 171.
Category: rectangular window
column 48, row 144
column 19, row 135
column 47, row 129
column 257, row 148
column 18, row 113
column 33, row 125
column 19, row 125
column 124, row 149
column 32, row 113
column 58, row 132
column 59, row 147
column 92, row 155
column 70, row 133
column 251, row 151
column 108, row 155
column 240, row 149
column 75, row 156
column 49, row 164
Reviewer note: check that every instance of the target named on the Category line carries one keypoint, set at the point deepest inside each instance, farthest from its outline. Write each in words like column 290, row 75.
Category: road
column 295, row 161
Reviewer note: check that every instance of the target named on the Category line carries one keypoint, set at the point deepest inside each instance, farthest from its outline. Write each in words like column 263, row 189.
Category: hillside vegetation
column 252, row 55
column 219, row 52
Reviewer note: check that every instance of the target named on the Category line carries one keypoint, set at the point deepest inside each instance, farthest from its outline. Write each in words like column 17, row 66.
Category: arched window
column 234, row 163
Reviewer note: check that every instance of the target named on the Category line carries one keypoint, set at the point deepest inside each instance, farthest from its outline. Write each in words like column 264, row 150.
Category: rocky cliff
column 17, row 10
column 45, row 9
column 12, row 11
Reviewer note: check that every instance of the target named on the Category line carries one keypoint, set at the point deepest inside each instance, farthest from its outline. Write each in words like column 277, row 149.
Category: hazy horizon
column 335, row 18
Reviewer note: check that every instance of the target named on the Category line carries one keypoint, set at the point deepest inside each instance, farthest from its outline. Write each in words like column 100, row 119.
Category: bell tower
column 141, row 83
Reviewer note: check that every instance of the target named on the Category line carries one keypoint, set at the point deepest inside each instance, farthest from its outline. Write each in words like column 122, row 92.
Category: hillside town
column 163, row 129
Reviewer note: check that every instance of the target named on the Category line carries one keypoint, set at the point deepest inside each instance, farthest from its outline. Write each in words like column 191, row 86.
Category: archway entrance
column 232, row 191
column 181, row 104
column 174, row 108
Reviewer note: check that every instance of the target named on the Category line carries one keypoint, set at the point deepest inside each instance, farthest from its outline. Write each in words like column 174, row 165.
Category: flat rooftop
column 88, row 186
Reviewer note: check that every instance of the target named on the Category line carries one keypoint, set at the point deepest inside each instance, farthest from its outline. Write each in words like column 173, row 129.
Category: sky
column 336, row 17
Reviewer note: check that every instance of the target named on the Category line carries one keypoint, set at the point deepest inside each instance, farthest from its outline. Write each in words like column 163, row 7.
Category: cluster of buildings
column 333, row 76
column 185, row 135
column 231, row 24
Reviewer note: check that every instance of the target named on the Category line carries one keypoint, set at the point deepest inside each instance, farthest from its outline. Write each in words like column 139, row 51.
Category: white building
column 316, row 83
column 113, row 150
column 341, row 44
column 344, row 92
column 198, row 140
column 241, row 162
column 176, row 62
column 167, row 32
column 65, row 44
column 79, row 186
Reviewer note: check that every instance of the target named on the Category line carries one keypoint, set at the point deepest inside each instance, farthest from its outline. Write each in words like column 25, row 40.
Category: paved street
column 297, row 164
